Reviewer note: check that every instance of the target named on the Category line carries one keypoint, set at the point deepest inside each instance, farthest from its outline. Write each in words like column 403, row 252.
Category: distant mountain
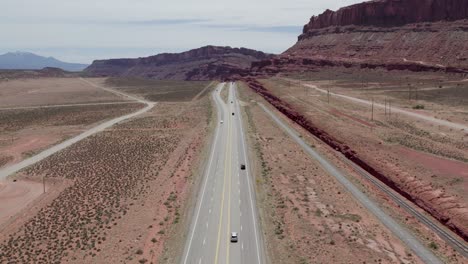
column 30, row 61
column 205, row 63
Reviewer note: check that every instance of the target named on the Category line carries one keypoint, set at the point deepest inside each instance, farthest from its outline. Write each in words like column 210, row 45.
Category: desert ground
column 306, row 215
column 125, row 195
column 119, row 195
column 36, row 113
column 425, row 159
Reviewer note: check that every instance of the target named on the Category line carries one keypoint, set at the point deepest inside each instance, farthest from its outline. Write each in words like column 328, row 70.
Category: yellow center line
column 226, row 160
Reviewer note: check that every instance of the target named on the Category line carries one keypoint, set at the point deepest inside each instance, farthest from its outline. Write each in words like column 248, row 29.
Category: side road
column 5, row 172
column 396, row 110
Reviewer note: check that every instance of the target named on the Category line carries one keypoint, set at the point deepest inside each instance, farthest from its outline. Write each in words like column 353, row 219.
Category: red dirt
column 26, row 144
column 339, row 113
column 50, row 91
column 14, row 196
column 438, row 164
column 306, row 215
column 290, row 112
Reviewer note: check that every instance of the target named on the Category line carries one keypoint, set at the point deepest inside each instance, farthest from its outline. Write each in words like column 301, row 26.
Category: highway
column 398, row 230
column 226, row 201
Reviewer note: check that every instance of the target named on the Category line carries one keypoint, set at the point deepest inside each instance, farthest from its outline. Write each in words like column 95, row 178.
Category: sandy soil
column 159, row 90
column 127, row 193
column 14, row 196
column 50, row 91
column 306, row 215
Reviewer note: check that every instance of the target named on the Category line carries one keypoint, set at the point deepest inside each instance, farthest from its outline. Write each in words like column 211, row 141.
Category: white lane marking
column 241, row 227
column 204, row 241
column 209, row 211
column 199, row 262
column 240, row 213
column 242, row 246
column 249, row 185
column 203, row 192
column 206, row 224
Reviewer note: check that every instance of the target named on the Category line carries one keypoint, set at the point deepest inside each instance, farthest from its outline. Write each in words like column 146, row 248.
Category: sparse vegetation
column 433, row 245
column 111, row 173
column 160, row 90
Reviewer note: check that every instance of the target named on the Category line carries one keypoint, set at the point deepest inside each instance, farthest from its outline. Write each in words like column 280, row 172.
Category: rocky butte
column 417, row 35
column 206, row 63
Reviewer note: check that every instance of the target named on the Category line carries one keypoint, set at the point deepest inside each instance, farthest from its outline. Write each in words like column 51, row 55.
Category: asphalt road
column 226, row 202
column 398, row 230
column 7, row 171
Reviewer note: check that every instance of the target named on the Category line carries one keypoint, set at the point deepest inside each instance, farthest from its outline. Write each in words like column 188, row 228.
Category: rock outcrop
column 205, row 63
column 416, row 35
column 391, row 13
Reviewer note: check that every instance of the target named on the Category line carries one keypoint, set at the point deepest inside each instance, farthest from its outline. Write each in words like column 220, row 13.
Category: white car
column 234, row 237
column 221, row 121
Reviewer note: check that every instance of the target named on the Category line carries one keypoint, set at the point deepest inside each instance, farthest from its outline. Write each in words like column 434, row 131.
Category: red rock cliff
column 206, row 63
column 389, row 13
column 419, row 35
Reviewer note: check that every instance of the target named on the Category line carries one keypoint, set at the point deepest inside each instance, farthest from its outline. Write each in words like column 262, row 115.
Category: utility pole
column 389, row 108
column 409, row 92
column 328, row 96
column 43, row 182
column 372, row 116
column 385, row 102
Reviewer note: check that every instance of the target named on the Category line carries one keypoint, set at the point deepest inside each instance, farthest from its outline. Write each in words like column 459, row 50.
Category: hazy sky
column 80, row 31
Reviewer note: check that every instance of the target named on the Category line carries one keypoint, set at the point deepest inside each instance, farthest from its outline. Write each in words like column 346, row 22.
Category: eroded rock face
column 205, row 63
column 391, row 13
column 417, row 35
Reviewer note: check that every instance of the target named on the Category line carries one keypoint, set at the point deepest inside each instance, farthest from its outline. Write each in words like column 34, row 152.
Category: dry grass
column 15, row 120
column 159, row 90
column 51, row 91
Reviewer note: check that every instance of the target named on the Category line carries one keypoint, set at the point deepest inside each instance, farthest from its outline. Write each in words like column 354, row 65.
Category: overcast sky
column 84, row 30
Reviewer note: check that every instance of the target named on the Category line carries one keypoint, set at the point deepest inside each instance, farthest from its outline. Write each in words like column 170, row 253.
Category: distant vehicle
column 231, row 102
column 234, row 237
column 232, row 113
column 221, row 121
column 242, row 166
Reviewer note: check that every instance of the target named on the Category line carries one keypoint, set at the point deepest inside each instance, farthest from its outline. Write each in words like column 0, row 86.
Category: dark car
column 232, row 113
column 242, row 166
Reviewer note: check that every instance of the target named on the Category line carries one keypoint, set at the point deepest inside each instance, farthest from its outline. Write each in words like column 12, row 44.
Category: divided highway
column 226, row 202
